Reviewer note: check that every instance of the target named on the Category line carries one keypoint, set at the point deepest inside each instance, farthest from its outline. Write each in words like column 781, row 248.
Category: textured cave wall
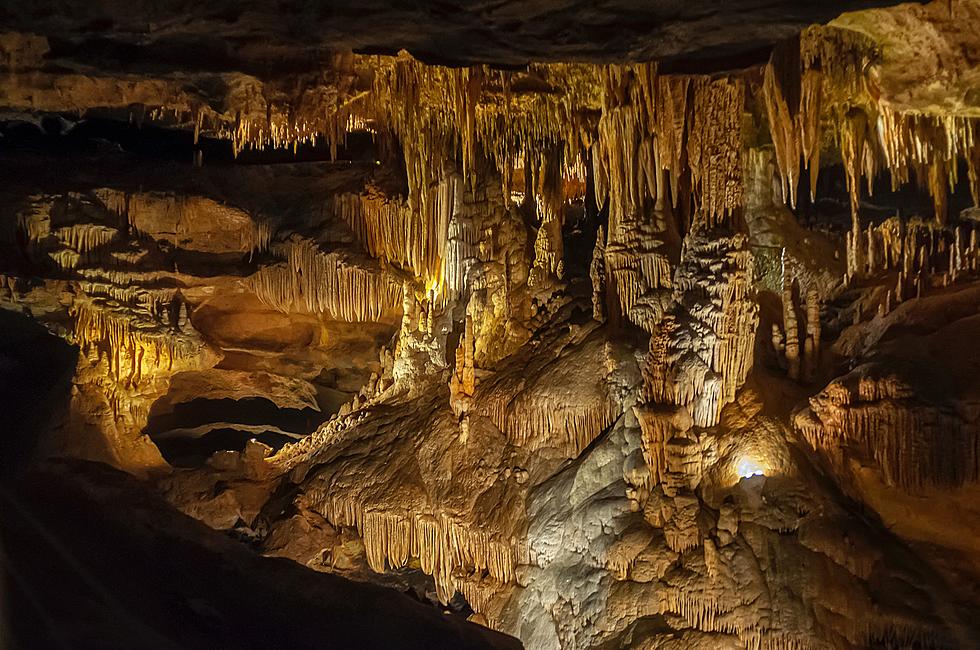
column 657, row 354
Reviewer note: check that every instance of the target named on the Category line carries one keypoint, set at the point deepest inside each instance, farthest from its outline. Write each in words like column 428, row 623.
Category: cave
column 556, row 325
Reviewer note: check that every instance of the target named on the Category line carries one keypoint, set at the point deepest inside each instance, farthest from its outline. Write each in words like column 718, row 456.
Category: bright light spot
column 433, row 286
column 747, row 468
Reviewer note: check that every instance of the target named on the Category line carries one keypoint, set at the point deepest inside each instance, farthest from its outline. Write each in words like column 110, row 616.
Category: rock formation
column 642, row 345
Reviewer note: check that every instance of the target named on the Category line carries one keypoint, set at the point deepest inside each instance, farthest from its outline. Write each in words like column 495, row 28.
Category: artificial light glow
column 747, row 468
column 433, row 286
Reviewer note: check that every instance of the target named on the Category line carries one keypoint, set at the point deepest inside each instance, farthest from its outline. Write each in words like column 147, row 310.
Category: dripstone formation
column 651, row 347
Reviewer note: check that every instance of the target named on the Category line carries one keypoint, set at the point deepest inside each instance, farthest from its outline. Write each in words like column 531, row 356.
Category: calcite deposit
column 662, row 340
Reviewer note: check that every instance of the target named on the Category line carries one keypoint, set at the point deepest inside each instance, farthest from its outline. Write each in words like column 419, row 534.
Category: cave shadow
column 36, row 368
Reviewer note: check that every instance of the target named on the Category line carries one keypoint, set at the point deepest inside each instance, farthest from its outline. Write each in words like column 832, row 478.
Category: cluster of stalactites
column 257, row 237
column 533, row 422
column 557, row 111
column 449, row 551
column 625, row 157
column 825, row 67
column 828, row 73
column 432, row 111
column 923, row 254
column 927, row 148
column 133, row 344
column 68, row 245
column 930, row 147
column 476, row 111
column 258, row 115
column 914, row 444
column 417, row 241
column 35, row 222
column 429, row 108
column 714, row 148
column 84, row 238
column 158, row 302
column 133, row 209
column 315, row 282
column 689, row 128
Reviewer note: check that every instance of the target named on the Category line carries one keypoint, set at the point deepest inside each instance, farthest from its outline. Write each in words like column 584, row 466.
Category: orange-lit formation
column 595, row 354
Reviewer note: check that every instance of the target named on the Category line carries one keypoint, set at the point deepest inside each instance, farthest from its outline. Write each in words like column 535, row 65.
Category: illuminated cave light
column 748, row 467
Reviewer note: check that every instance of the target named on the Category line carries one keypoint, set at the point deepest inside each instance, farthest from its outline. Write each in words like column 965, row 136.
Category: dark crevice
column 62, row 134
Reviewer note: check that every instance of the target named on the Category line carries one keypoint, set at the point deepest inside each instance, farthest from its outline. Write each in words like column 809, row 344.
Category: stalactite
column 914, row 444
column 444, row 546
column 123, row 335
column 714, row 147
column 823, row 70
column 66, row 259
column 312, row 281
column 782, row 91
column 534, row 423
column 671, row 120
column 856, row 152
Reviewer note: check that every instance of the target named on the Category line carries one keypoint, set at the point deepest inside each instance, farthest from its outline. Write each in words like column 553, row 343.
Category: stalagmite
column 708, row 373
column 548, row 195
column 463, row 381
column 790, row 325
column 812, row 345
column 699, row 357
column 913, row 248
column 597, row 273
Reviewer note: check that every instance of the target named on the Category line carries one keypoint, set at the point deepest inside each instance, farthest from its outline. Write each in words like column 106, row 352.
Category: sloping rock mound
column 94, row 560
